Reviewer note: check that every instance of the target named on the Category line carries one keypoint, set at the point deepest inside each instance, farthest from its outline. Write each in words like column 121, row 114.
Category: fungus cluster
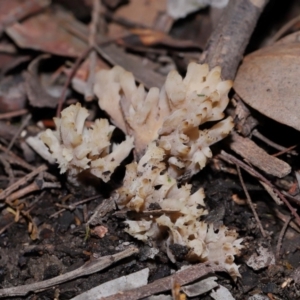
column 165, row 127
column 76, row 147
column 172, row 115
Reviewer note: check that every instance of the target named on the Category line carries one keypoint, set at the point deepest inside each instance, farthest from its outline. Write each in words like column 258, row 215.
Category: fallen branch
column 88, row 268
column 228, row 41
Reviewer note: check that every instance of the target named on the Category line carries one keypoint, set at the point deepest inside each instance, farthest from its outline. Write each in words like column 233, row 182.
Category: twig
column 164, row 284
column 228, row 41
column 68, row 81
column 229, row 158
column 72, row 206
column 283, row 30
column 22, row 181
column 250, row 203
column 257, row 134
column 294, row 199
column 88, row 92
column 285, row 151
column 282, row 232
column 16, row 160
column 284, row 218
column 8, row 170
column 36, row 185
column 88, row 268
column 13, row 114
column 23, row 125
column 101, row 210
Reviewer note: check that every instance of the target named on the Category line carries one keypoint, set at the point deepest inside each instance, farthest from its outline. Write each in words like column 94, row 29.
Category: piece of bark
column 227, row 44
column 259, row 157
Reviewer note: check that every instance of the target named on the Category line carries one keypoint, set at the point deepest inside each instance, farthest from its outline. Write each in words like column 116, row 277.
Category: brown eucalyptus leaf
column 268, row 80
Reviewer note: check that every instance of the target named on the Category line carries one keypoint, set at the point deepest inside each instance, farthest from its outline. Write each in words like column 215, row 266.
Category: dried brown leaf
column 268, row 80
column 44, row 32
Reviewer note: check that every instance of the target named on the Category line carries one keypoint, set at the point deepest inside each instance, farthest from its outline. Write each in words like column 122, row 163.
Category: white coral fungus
column 172, row 115
column 76, row 147
column 176, row 220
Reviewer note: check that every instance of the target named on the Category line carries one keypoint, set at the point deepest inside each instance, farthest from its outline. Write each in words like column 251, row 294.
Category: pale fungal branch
column 163, row 126
column 171, row 115
column 147, row 183
column 77, row 148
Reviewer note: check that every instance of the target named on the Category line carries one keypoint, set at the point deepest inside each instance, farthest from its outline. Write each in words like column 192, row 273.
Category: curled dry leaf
column 268, row 80
column 171, row 115
column 77, row 148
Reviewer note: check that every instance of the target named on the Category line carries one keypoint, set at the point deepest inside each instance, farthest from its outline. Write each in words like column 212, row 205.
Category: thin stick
column 22, row 181
column 257, row 134
column 229, row 158
column 285, row 151
column 13, row 114
column 34, row 186
column 282, row 232
column 16, row 160
column 8, row 170
column 72, row 206
column 23, row 125
column 89, row 92
column 68, row 81
column 283, row 30
column 88, row 268
column 250, row 203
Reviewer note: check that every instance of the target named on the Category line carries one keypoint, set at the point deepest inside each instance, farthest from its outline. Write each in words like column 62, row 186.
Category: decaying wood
column 165, row 284
column 88, row 268
column 228, row 41
column 259, row 157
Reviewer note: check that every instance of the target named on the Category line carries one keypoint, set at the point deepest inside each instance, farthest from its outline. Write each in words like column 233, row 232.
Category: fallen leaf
column 44, row 32
column 13, row 10
column 140, row 12
column 268, row 80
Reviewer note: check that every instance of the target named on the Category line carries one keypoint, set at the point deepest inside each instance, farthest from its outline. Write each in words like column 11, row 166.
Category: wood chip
column 259, row 157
